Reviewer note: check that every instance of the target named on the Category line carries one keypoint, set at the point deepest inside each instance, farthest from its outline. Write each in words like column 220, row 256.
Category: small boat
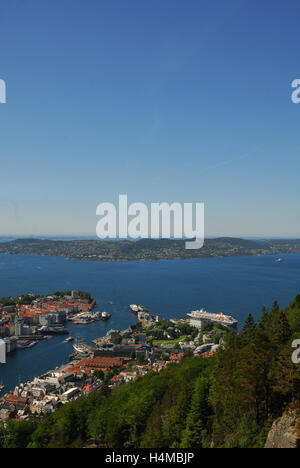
column 69, row 339
column 138, row 308
column 79, row 347
column 105, row 315
column 279, row 260
column 31, row 345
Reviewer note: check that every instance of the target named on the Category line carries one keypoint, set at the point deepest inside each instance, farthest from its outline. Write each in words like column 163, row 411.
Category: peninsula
column 147, row 249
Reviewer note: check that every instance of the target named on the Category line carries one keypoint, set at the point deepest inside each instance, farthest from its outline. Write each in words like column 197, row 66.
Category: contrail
column 227, row 161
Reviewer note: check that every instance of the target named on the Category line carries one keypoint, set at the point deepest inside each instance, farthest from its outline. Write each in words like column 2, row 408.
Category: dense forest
column 229, row 400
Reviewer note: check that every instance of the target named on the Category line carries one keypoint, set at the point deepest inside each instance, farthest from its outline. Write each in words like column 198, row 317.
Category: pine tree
column 286, row 377
column 252, row 376
column 275, row 307
column 264, row 314
column 283, row 329
column 265, row 319
column 248, row 330
column 196, row 423
column 249, row 324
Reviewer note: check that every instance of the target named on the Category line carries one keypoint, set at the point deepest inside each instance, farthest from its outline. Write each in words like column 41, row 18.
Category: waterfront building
column 11, row 344
column 70, row 393
column 74, row 294
column 2, row 352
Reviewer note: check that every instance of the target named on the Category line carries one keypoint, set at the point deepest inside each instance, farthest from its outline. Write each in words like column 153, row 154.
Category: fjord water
column 233, row 285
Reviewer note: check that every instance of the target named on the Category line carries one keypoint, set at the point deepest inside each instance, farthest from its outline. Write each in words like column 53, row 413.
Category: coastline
column 147, row 250
column 130, row 260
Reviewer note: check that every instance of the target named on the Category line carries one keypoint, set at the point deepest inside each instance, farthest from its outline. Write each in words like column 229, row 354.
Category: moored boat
column 105, row 315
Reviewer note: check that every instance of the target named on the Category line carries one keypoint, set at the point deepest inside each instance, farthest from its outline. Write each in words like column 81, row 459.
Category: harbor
column 241, row 284
column 117, row 358
column 26, row 320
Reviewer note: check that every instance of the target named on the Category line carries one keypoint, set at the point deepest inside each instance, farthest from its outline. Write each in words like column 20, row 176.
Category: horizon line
column 94, row 237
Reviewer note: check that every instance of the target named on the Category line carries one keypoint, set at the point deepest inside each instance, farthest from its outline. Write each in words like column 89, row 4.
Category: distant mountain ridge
column 147, row 249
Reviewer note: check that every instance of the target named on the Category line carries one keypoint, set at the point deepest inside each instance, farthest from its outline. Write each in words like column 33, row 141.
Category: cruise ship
column 198, row 317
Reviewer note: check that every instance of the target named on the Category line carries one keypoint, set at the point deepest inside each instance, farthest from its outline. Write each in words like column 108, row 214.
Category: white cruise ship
column 198, row 317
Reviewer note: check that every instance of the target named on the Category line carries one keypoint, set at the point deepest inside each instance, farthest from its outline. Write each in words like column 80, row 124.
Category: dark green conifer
column 197, row 419
column 283, row 329
column 248, row 330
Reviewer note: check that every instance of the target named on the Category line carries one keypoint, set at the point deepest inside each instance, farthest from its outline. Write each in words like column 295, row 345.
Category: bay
column 233, row 285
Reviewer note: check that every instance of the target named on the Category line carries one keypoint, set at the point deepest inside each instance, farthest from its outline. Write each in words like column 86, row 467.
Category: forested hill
column 229, row 400
column 147, row 249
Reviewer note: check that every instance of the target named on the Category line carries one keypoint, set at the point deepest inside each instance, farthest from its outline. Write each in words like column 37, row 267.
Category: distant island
column 147, row 249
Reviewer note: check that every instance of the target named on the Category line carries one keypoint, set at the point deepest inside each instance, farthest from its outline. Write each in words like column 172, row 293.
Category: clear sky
column 171, row 100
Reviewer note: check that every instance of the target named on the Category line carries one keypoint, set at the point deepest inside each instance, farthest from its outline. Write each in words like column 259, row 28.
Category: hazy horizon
column 91, row 237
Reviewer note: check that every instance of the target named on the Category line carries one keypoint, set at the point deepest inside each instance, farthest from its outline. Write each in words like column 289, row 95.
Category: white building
column 75, row 294
column 2, row 352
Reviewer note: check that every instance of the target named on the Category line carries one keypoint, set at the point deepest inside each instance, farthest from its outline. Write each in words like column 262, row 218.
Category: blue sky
column 163, row 100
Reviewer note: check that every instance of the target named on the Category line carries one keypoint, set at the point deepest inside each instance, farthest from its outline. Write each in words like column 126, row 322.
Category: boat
column 278, row 260
column 70, row 338
column 79, row 347
column 105, row 315
column 31, row 345
column 137, row 308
